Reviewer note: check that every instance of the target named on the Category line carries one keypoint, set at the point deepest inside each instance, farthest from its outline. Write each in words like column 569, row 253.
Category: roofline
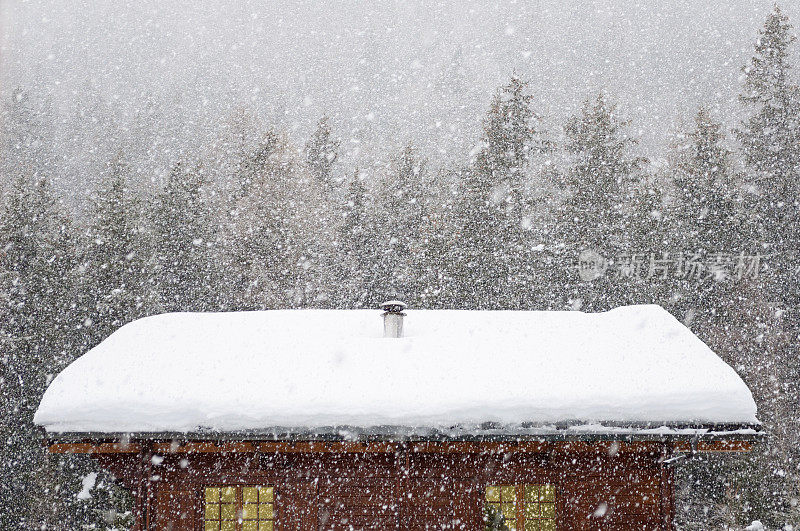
column 657, row 432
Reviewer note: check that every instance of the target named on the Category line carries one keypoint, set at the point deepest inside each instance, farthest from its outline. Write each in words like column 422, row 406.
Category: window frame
column 239, row 490
column 520, row 502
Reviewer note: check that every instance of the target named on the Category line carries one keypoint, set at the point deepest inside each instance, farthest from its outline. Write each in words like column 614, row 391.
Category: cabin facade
column 307, row 420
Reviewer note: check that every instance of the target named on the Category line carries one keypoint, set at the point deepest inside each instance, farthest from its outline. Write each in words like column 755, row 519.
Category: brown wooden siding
column 401, row 487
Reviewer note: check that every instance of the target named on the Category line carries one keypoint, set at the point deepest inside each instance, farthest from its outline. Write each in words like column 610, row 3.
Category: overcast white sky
column 386, row 71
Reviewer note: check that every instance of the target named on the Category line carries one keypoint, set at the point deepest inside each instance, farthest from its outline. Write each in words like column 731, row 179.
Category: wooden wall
column 402, row 488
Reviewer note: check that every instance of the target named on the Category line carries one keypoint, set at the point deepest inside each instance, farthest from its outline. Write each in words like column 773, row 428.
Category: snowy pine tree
column 706, row 192
column 321, row 152
column 770, row 144
column 112, row 263
column 270, row 229
column 356, row 260
column 603, row 178
column 37, row 339
column 27, row 136
column 182, row 238
column 491, row 240
column 403, row 211
column 494, row 520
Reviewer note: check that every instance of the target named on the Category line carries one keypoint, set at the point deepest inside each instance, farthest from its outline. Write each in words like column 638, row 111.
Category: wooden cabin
column 433, row 419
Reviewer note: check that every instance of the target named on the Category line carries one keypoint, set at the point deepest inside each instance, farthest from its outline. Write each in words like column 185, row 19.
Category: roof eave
column 657, row 432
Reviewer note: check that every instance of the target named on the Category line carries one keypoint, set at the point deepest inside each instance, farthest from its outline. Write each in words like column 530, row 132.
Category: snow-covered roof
column 317, row 369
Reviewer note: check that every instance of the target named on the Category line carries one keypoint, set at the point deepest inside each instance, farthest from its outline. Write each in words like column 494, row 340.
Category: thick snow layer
column 316, row 368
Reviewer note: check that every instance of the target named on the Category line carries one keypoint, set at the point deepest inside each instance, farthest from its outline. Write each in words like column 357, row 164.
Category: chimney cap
column 393, row 306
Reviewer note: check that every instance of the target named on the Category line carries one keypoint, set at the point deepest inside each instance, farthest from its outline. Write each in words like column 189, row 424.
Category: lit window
column 249, row 508
column 522, row 507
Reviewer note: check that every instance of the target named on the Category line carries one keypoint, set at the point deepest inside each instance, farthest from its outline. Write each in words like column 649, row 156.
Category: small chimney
column 393, row 318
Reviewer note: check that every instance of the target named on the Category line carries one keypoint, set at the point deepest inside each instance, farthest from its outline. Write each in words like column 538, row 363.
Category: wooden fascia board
column 94, row 448
column 713, row 446
column 219, row 447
